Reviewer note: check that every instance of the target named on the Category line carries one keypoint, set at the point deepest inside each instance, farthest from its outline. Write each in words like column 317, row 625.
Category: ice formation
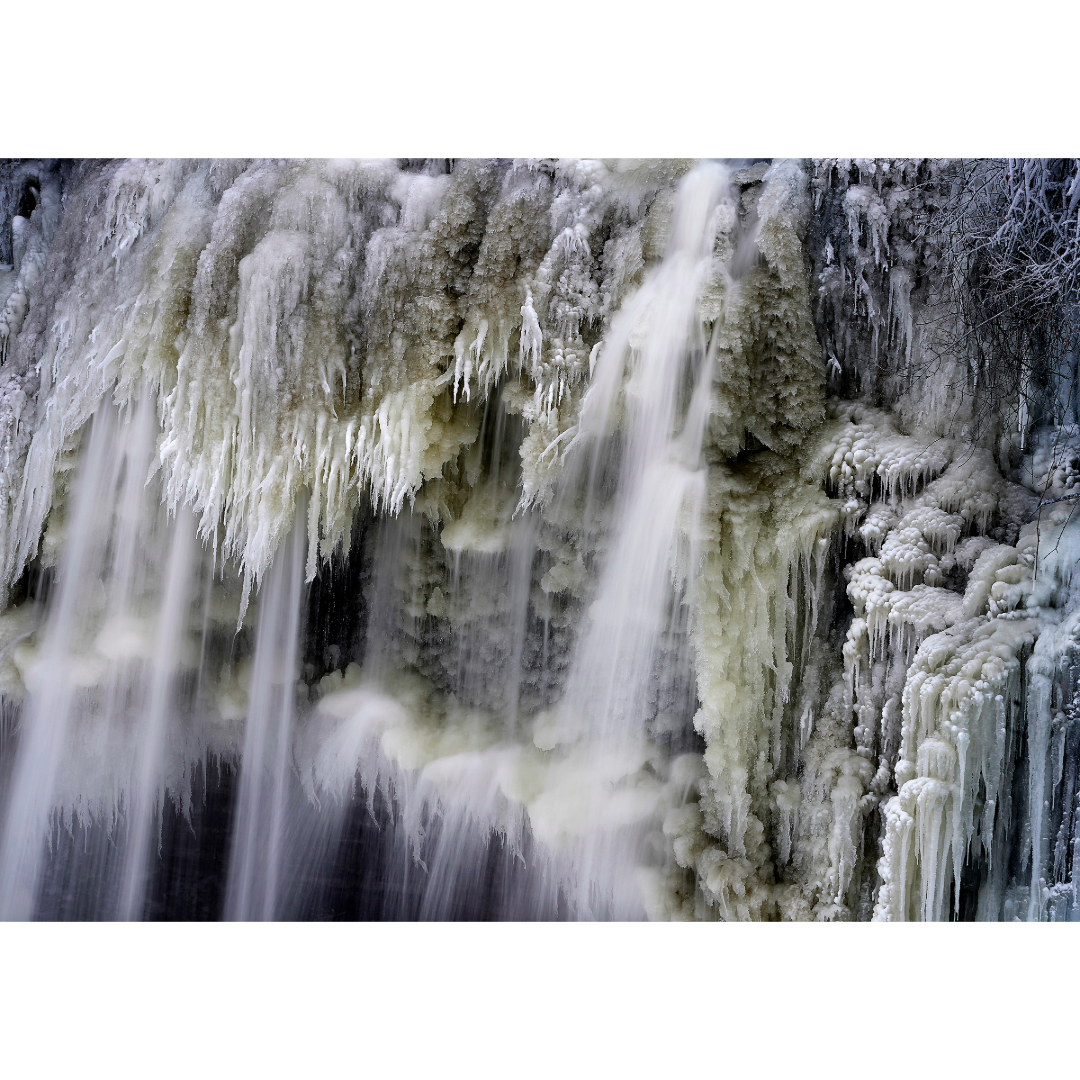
column 521, row 539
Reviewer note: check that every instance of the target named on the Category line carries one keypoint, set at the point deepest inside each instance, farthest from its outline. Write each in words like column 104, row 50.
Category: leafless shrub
column 1009, row 305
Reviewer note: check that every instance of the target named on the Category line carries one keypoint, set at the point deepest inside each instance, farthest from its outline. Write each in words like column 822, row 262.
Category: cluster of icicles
column 600, row 651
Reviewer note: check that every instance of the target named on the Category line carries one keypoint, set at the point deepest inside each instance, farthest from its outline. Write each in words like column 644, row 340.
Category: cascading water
column 255, row 863
column 104, row 727
column 627, row 648
column 520, row 539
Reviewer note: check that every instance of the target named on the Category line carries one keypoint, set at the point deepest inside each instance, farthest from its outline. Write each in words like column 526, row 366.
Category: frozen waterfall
column 532, row 539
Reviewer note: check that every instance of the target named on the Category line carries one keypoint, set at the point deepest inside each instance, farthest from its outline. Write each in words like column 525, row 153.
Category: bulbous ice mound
column 648, row 570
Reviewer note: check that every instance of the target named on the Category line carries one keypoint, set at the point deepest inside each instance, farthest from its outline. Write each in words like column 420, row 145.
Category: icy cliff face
column 655, row 542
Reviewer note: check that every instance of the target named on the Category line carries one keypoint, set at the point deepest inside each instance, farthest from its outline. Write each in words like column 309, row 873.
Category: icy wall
column 531, row 539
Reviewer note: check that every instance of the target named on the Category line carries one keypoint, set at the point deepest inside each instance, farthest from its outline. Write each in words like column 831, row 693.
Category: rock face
column 531, row 539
